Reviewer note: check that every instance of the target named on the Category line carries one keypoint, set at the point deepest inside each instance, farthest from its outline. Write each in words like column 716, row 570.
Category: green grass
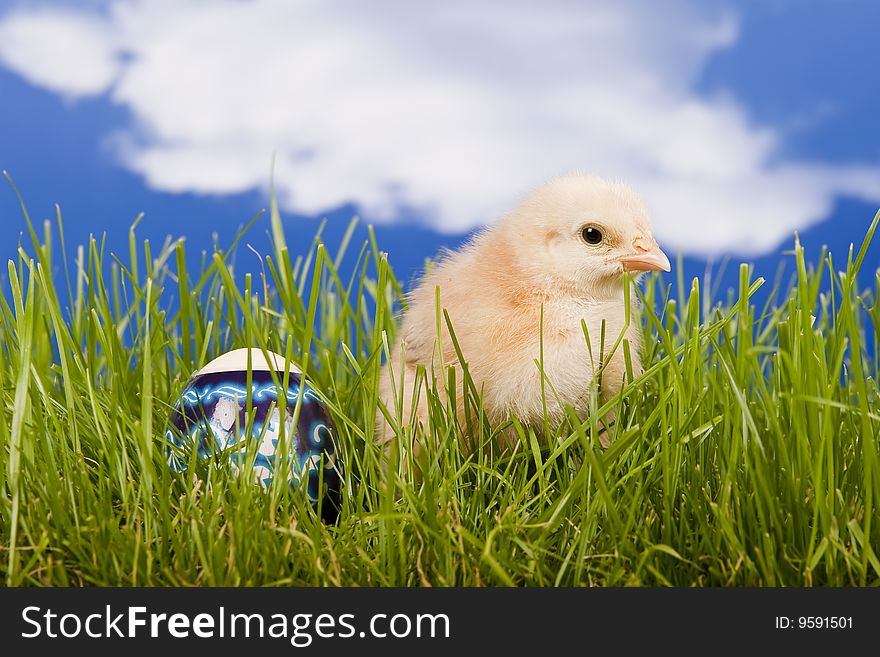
column 747, row 454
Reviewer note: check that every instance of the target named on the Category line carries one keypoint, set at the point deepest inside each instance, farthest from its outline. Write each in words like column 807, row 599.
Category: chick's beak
column 646, row 260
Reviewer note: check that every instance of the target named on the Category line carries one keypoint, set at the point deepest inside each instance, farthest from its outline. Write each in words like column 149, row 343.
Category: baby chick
column 555, row 260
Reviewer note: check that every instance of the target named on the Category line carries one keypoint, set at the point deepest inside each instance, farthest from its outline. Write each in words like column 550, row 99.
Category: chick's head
column 584, row 232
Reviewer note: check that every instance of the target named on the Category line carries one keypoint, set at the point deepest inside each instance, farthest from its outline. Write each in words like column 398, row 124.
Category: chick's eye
column 591, row 235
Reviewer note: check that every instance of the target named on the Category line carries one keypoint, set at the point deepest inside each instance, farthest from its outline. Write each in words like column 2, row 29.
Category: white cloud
column 453, row 108
column 65, row 52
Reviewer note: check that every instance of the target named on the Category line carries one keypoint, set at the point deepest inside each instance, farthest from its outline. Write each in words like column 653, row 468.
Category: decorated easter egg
column 211, row 420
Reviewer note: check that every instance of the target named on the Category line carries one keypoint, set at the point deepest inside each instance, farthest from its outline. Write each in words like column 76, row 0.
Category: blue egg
column 211, row 417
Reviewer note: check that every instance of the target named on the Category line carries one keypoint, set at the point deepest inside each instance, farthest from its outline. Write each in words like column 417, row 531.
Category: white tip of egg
column 237, row 360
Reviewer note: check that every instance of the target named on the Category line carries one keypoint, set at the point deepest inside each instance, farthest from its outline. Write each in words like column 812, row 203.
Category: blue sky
column 738, row 122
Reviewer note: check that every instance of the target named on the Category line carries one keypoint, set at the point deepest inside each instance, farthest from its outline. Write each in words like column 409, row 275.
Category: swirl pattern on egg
column 210, row 421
